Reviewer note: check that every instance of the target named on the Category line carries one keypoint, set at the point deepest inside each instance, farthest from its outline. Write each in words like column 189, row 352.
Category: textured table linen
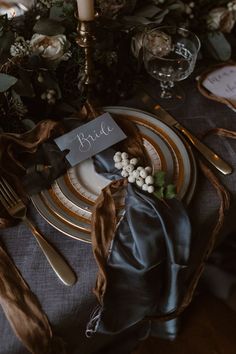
column 69, row 308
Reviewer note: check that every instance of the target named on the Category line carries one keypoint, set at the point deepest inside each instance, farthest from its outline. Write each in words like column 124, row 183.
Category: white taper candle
column 86, row 10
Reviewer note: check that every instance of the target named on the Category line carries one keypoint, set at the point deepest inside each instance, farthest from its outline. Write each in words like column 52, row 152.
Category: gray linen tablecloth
column 69, row 308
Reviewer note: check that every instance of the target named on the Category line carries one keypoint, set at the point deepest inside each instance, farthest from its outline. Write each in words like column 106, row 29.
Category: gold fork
column 17, row 209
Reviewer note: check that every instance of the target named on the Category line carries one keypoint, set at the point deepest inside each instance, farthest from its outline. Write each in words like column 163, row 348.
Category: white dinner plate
column 67, row 205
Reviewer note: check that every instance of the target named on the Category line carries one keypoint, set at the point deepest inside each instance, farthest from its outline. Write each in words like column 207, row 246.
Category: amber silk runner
column 20, row 305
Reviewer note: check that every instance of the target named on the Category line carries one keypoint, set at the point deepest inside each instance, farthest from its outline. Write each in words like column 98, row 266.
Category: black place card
column 90, row 138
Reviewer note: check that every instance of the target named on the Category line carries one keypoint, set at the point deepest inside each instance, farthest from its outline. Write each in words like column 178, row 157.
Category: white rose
column 221, row 19
column 50, row 47
column 232, row 7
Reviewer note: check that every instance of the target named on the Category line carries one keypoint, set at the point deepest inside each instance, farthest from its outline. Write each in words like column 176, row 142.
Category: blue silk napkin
column 146, row 269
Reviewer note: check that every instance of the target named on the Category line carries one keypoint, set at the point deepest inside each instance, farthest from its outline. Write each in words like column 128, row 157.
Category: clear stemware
column 170, row 55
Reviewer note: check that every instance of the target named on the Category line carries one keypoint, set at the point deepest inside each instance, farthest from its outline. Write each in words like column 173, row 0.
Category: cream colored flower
column 221, row 19
column 158, row 43
column 50, row 48
column 232, row 5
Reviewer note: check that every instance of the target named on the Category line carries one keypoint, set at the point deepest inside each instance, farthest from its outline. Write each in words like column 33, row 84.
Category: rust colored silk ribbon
column 19, row 304
column 103, row 231
column 24, row 311
column 105, row 207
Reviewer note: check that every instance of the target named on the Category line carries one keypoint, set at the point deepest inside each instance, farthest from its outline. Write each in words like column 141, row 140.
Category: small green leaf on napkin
column 170, row 191
column 6, row 81
column 159, row 193
column 163, row 191
column 159, row 178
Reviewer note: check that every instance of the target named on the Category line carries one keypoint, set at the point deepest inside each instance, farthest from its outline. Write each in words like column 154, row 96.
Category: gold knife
column 208, row 154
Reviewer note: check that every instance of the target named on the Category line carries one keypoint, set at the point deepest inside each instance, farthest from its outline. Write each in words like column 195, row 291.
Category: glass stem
column 166, row 87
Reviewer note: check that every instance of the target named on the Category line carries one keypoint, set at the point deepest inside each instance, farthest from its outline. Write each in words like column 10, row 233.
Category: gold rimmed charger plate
column 68, row 204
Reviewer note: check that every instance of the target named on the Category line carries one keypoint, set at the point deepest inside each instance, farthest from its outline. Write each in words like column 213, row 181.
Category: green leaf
column 6, row 81
column 170, row 191
column 160, row 16
column 24, row 86
column 142, row 20
column 159, row 178
column 159, row 193
column 48, row 27
column 6, row 41
column 177, row 6
column 59, row 11
column 24, row 89
column 217, row 46
column 56, row 13
column 147, row 11
column 28, row 124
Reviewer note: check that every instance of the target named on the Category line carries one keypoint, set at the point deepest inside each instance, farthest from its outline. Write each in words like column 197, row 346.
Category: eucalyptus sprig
column 163, row 190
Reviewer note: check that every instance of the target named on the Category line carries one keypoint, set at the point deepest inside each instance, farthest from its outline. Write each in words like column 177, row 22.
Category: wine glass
column 170, row 55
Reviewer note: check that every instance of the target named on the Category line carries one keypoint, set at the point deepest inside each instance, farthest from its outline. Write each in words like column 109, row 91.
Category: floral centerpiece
column 41, row 65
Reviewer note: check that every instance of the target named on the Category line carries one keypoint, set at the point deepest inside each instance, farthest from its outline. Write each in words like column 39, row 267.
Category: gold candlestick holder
column 86, row 40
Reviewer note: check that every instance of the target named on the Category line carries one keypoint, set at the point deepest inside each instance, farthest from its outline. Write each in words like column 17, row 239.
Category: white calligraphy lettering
column 86, row 142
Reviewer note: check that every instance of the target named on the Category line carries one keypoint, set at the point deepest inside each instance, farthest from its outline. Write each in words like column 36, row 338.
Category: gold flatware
column 207, row 153
column 17, row 209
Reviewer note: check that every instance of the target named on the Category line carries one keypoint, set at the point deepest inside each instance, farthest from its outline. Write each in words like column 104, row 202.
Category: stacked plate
column 68, row 204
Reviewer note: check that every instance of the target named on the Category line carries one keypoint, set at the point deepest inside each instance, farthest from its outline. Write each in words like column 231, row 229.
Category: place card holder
column 218, row 83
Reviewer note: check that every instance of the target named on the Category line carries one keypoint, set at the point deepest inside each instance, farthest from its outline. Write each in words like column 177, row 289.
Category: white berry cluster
column 141, row 176
column 49, row 95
